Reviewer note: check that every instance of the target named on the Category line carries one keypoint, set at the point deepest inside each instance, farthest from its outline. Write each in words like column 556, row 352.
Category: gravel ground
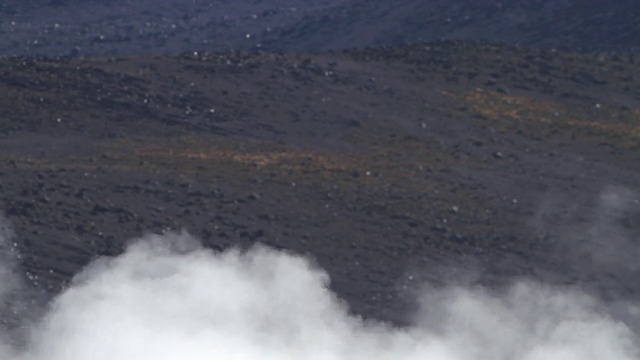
column 444, row 163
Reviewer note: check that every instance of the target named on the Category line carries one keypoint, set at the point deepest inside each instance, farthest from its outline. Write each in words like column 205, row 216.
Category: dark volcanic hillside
column 578, row 25
column 126, row 27
column 449, row 162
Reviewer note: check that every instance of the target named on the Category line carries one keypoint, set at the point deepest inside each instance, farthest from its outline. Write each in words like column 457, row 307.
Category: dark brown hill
column 446, row 162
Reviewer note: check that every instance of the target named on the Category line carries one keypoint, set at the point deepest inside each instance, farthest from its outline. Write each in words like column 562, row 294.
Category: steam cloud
column 168, row 298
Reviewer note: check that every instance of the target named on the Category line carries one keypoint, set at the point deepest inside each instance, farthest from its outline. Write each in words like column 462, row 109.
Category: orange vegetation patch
column 496, row 105
column 291, row 159
column 607, row 121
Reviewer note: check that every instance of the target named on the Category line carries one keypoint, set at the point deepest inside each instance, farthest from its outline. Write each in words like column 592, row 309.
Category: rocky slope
column 448, row 162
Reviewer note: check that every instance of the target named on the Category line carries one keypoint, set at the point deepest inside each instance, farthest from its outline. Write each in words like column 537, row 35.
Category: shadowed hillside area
column 127, row 27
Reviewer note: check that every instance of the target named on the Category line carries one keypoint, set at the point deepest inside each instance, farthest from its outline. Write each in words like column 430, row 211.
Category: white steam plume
column 167, row 298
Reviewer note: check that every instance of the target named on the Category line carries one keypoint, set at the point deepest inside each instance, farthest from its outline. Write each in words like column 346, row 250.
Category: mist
column 166, row 297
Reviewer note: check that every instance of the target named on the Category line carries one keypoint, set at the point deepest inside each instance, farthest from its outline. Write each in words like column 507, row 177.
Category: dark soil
column 449, row 162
